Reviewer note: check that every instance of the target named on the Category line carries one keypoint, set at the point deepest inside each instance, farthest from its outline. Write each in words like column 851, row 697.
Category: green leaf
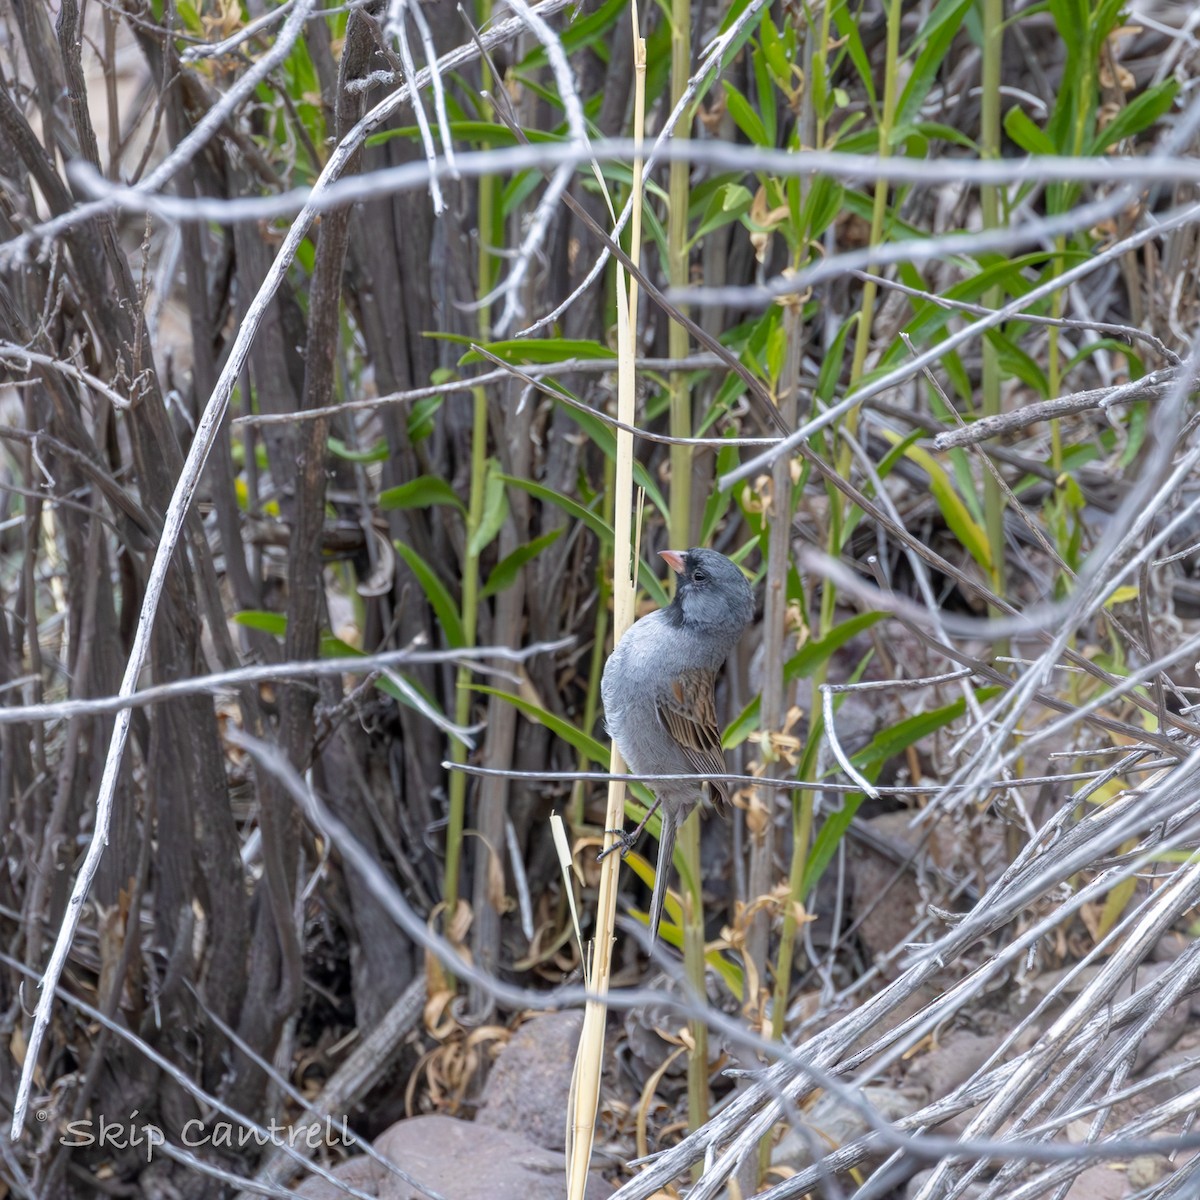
column 766, row 98
column 266, row 622
column 870, row 759
column 420, row 418
column 886, row 464
column 929, row 130
column 1026, row 134
column 939, row 31
column 505, row 572
column 1140, row 113
column 422, row 492
column 822, row 205
column 812, row 654
column 717, row 504
column 605, row 437
column 481, row 132
column 537, row 350
column 734, row 12
column 437, row 594
column 887, row 743
column 589, row 30
column 584, row 743
column 970, row 534
column 847, row 27
column 744, row 116
column 1015, row 361
column 568, row 504
column 377, row 453
column 495, row 510
column 1136, row 424
column 522, row 185
column 729, row 203
column 1136, row 367
column 834, row 359
column 333, row 647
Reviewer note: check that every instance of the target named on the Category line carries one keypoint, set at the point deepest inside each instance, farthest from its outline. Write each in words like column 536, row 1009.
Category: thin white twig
column 516, row 862
column 222, row 681
column 694, row 362
column 396, row 28
column 435, row 79
column 836, row 746
column 244, row 34
column 725, row 156
column 10, row 351
column 547, row 207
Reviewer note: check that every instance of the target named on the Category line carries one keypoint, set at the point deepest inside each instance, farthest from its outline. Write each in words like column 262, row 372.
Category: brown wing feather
column 689, row 712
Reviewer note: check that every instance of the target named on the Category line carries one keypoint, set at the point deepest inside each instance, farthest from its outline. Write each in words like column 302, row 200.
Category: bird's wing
column 689, row 711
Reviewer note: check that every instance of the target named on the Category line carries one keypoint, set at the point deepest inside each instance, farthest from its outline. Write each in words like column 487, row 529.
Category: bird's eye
column 699, row 576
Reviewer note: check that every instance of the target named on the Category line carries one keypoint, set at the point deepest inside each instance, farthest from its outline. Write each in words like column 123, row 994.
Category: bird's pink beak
column 674, row 559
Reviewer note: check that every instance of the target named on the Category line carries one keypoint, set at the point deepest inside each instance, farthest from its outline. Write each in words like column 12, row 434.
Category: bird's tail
column 666, row 852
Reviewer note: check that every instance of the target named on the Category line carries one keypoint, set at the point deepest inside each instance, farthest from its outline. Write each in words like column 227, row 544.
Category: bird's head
column 712, row 594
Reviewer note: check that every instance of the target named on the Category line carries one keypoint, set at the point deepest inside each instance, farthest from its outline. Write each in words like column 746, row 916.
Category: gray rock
column 832, row 1123
column 954, row 1060
column 461, row 1160
column 973, row 1191
column 530, row 1081
column 1102, row 1182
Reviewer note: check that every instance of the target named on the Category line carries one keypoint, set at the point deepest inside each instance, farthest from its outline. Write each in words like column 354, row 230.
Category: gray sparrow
column 659, row 705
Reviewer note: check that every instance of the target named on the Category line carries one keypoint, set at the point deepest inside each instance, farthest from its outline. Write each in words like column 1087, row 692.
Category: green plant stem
column 802, row 823
column 774, row 704
column 989, row 142
column 470, row 621
column 1054, row 364
column 677, row 269
column 456, row 821
column 820, row 67
column 862, row 335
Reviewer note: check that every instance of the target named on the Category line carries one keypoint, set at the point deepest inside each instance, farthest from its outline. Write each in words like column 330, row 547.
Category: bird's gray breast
column 635, row 676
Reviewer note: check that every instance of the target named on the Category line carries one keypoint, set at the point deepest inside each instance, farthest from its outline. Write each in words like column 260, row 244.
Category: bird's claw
column 623, row 842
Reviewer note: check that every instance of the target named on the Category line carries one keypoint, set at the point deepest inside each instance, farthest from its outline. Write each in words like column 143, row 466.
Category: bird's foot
column 622, row 841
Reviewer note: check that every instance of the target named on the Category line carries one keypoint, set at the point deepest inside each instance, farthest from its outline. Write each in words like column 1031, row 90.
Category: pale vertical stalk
column 680, row 525
column 692, row 887
column 596, row 664
column 989, row 144
column 585, row 1093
